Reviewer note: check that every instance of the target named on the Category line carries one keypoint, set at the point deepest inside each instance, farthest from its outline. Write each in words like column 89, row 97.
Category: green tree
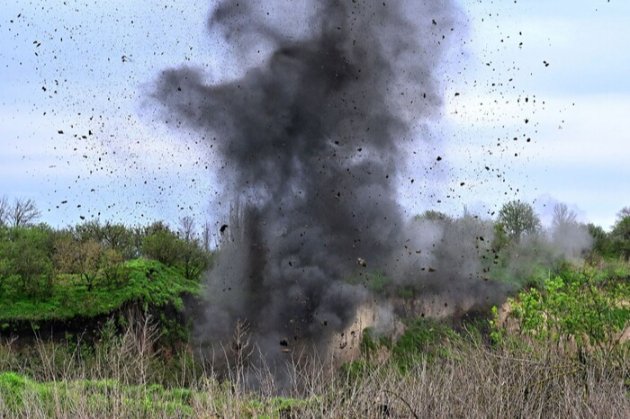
column 194, row 259
column 602, row 245
column 4, row 211
column 5, row 267
column 120, row 239
column 620, row 235
column 89, row 261
column 500, row 239
column 27, row 255
column 162, row 245
column 518, row 219
column 112, row 267
column 110, row 236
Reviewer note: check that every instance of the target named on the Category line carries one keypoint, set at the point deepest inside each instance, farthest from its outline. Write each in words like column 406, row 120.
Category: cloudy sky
column 537, row 99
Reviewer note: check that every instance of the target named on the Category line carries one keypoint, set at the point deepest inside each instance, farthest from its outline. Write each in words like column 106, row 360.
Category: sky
column 536, row 99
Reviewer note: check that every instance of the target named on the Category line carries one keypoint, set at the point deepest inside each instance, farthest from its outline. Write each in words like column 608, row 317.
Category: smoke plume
column 312, row 138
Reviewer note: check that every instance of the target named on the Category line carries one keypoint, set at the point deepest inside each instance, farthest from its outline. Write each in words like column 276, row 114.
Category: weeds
column 121, row 378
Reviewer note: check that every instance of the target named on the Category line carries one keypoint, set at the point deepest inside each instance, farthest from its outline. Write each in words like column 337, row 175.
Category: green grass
column 18, row 391
column 423, row 340
column 20, row 395
column 147, row 281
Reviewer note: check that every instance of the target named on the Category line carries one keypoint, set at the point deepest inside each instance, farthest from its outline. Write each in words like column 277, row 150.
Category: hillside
column 147, row 282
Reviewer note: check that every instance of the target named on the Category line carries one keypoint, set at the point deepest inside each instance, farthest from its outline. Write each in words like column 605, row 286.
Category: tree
column 66, row 253
column 23, row 213
column 119, row 238
column 165, row 246
column 74, row 256
column 194, row 259
column 162, row 245
column 517, row 219
column 624, row 212
column 206, row 236
column 89, row 261
column 89, row 230
column 111, row 236
column 620, row 236
column 5, row 263
column 27, row 254
column 186, row 228
column 113, row 268
column 4, row 211
column 433, row 215
column 563, row 217
column 602, row 245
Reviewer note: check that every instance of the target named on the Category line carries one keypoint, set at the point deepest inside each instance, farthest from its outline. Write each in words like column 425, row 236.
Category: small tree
column 620, row 237
column 28, row 256
column 194, row 259
column 623, row 213
column 73, row 256
column 90, row 230
column 112, row 267
column 4, row 211
column 162, row 245
column 602, row 246
column 66, row 254
column 517, row 219
column 89, row 261
column 5, row 262
column 119, row 238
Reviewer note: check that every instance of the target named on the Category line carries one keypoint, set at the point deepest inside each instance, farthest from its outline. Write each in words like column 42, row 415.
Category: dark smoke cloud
column 313, row 140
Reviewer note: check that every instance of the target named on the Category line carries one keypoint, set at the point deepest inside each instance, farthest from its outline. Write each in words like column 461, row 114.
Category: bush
column 424, row 340
column 575, row 305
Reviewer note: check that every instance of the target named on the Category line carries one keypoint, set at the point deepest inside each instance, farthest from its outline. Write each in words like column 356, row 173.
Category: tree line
column 518, row 219
column 34, row 255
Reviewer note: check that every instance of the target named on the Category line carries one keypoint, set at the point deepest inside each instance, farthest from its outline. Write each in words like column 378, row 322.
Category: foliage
column 602, row 245
column 162, row 245
column 17, row 392
column 110, row 236
column 517, row 219
column 573, row 304
column 165, row 246
column 433, row 215
column 620, row 236
column 148, row 282
column 25, row 256
column 423, row 340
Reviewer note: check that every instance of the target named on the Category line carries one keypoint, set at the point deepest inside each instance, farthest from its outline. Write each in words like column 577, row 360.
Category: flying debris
column 325, row 115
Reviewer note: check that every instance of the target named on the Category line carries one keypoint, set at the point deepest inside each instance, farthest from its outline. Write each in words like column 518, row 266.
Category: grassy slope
column 149, row 282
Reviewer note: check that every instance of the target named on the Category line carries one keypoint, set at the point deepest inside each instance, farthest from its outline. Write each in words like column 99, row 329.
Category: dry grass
column 117, row 379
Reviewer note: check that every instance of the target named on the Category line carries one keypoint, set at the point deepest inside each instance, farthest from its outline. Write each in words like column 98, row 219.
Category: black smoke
column 313, row 138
